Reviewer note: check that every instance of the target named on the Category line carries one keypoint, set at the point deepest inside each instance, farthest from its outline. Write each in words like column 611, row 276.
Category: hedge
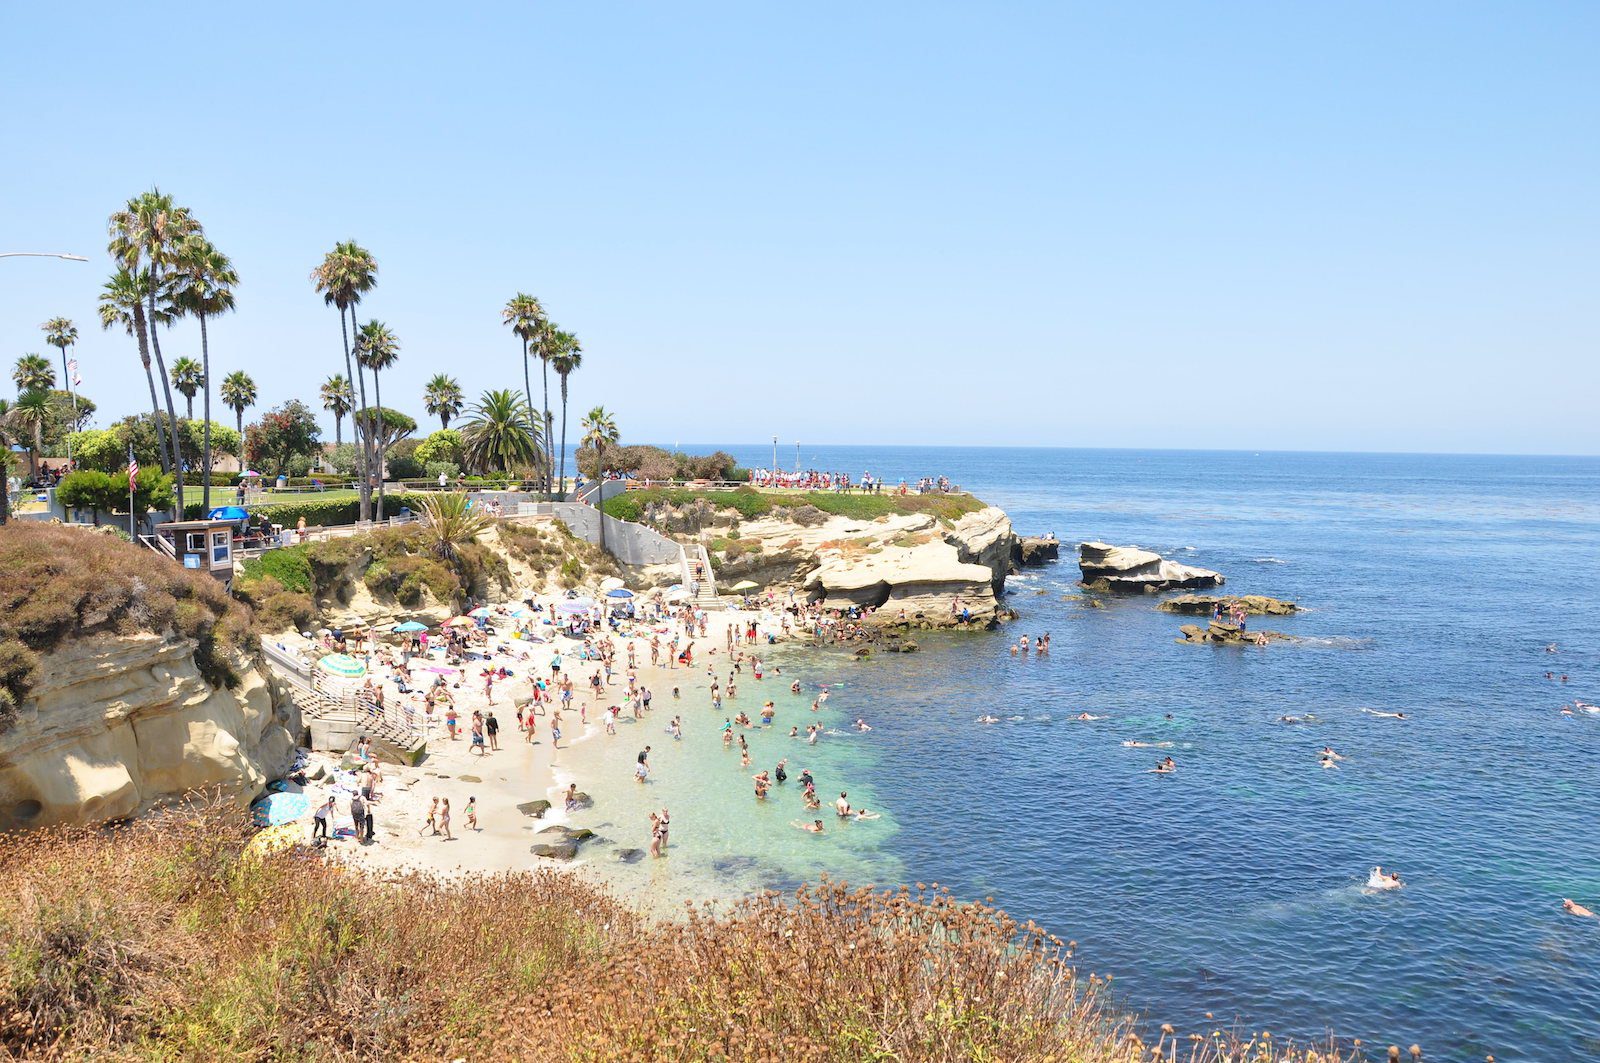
column 319, row 513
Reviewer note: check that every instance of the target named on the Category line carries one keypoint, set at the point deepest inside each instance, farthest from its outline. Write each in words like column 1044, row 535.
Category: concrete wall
column 632, row 544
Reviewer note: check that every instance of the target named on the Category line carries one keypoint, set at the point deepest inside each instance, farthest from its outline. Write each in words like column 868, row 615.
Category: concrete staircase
column 691, row 557
column 337, row 720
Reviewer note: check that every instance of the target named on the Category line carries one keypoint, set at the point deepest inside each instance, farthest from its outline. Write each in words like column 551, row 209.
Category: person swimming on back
column 1385, row 715
column 1572, row 907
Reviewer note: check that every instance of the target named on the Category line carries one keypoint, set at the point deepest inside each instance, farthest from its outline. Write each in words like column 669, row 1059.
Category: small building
column 202, row 545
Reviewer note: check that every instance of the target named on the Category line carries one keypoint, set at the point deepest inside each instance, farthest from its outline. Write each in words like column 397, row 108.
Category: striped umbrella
column 342, row 664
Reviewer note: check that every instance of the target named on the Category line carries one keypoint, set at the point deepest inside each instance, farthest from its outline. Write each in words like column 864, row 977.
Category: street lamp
column 5, row 474
column 42, row 254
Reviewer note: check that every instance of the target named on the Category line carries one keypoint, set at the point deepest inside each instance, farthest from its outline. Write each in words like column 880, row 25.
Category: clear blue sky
column 1266, row 226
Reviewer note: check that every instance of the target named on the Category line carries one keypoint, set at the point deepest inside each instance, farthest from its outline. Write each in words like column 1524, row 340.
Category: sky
column 1353, row 226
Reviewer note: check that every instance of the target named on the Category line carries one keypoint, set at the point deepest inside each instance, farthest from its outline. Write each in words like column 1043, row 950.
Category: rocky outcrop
column 561, row 843
column 1131, row 570
column 119, row 724
column 1031, row 551
column 1206, row 605
column 1224, row 634
column 926, row 578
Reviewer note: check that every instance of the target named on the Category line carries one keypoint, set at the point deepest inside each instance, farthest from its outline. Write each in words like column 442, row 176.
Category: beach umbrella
column 410, row 625
column 461, row 621
column 273, row 809
column 274, row 840
column 342, row 664
column 746, row 585
column 581, row 606
column 482, row 610
column 229, row 513
column 677, row 594
column 619, row 592
column 249, row 473
column 523, row 614
column 610, row 583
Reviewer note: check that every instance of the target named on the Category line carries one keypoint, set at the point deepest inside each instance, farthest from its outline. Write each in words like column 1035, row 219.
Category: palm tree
column 149, row 232
column 501, row 435
column 442, row 398
column 337, row 400
column 567, row 358
column 377, row 348
column 600, row 432
column 545, row 346
column 525, row 316
column 238, row 393
column 33, row 373
column 5, row 460
column 346, row 273
column 206, row 280
column 61, row 333
column 122, row 302
column 449, row 522
column 30, row 414
column 187, row 376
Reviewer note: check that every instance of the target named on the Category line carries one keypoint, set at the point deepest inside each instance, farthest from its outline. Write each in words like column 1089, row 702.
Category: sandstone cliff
column 117, row 724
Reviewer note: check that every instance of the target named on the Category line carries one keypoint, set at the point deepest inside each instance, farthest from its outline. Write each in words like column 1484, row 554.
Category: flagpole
column 132, row 534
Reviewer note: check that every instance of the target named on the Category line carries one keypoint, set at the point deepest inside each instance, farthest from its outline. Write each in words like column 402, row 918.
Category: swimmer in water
column 1572, row 907
column 1086, row 717
column 861, row 725
column 1329, row 758
column 862, row 813
column 988, row 719
column 814, row 827
column 1147, row 745
column 1384, row 880
column 1164, row 767
column 794, row 688
column 1385, row 715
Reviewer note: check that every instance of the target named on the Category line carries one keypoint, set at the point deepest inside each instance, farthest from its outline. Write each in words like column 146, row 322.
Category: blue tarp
column 229, row 513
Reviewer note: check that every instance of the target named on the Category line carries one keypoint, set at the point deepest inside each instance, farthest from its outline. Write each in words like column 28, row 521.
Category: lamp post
column 5, row 473
column 797, row 457
column 43, row 254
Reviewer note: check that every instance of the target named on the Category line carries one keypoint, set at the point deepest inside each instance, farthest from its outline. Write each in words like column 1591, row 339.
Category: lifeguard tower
column 201, row 545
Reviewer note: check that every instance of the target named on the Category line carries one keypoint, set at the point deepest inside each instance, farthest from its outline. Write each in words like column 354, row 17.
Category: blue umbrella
column 229, row 513
column 411, row 625
column 619, row 592
column 274, row 809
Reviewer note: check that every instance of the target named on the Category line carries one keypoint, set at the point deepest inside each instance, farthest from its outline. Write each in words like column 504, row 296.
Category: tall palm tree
column 545, row 346
column 567, row 359
column 600, row 432
column 187, row 376
column 33, row 373
column 377, row 348
column 122, row 302
column 61, row 333
column 346, row 273
column 524, row 315
column 206, row 279
column 30, row 413
column 442, row 398
column 337, row 400
column 149, row 232
column 238, row 393
column 501, row 435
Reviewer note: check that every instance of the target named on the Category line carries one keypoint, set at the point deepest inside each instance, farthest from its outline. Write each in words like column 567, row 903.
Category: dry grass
column 161, row 940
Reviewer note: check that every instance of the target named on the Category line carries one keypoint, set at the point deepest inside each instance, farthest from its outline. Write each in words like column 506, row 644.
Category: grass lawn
column 224, row 496
column 752, row 503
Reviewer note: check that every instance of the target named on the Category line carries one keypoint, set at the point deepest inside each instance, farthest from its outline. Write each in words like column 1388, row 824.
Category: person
column 1329, row 756
column 642, row 769
column 781, row 773
column 842, row 806
column 491, row 727
column 1384, row 880
column 450, row 720
column 1387, row 715
column 358, row 816
column 433, row 817
column 1164, row 767
column 862, row 813
column 861, row 725
column 368, row 823
column 1572, row 907
column 319, row 828
column 472, row 813
column 814, row 827
column 572, row 796
column 444, row 820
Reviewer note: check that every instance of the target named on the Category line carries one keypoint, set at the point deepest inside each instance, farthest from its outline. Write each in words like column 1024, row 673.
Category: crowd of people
column 820, row 480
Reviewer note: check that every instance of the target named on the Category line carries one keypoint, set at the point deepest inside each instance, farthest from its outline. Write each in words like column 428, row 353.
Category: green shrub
column 288, row 565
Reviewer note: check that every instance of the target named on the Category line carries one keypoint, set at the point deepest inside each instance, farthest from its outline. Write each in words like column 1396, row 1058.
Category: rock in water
column 1034, row 550
column 1131, row 570
column 1206, row 604
column 1221, row 633
column 536, row 809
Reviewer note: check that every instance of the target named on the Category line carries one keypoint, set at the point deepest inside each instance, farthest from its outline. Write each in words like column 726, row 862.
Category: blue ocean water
column 1434, row 584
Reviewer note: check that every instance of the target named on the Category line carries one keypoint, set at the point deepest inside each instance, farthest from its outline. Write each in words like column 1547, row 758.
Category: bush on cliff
column 63, row 582
column 163, row 939
column 750, row 503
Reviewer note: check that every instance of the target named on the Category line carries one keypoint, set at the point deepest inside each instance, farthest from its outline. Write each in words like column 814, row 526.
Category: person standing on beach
column 319, row 828
column 433, row 817
column 444, row 820
column 642, row 769
column 472, row 813
column 358, row 816
column 491, row 727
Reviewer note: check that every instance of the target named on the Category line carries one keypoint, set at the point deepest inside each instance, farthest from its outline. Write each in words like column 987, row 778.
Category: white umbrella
column 610, row 583
column 677, row 594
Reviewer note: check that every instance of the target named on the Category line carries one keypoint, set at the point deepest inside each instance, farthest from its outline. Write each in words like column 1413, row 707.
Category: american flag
column 133, row 473
column 72, row 370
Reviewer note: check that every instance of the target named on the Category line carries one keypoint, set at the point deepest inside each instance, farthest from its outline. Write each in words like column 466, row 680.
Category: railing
column 397, row 721
column 160, row 545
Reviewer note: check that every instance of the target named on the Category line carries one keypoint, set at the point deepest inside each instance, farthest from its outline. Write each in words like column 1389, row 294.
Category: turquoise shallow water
column 1434, row 584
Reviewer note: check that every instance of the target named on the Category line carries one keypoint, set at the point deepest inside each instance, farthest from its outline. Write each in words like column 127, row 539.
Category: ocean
column 1433, row 586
